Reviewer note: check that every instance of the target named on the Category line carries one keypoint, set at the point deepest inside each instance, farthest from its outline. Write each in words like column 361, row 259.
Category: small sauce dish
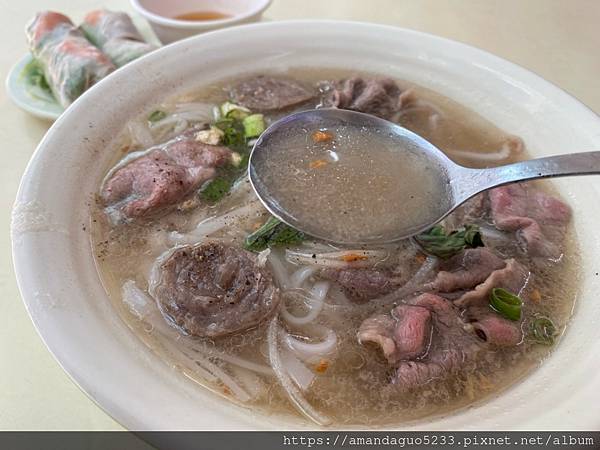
column 179, row 19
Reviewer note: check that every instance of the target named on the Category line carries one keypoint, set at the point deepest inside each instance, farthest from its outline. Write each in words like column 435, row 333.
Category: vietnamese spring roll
column 116, row 35
column 70, row 63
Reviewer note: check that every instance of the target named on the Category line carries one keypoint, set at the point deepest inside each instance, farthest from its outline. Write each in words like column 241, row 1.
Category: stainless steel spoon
column 459, row 183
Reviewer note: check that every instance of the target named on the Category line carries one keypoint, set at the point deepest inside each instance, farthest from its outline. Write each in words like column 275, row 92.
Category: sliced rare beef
column 268, row 93
column 213, row 289
column 379, row 97
column 465, row 270
column 452, row 345
column 470, row 276
column 513, row 277
column 361, row 284
column 539, row 219
column 403, row 335
column 494, row 329
column 147, row 182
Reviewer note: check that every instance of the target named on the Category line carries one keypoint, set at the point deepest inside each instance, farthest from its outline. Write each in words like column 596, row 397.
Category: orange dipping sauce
column 198, row 16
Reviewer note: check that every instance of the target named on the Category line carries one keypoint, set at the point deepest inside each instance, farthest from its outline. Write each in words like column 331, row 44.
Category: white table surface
column 558, row 39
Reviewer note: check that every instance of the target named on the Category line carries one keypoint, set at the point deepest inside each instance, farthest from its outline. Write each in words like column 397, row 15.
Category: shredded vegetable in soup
column 282, row 323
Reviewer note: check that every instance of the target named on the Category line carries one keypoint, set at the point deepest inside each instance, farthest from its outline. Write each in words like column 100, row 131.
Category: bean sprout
column 144, row 308
column 337, row 260
column 293, row 392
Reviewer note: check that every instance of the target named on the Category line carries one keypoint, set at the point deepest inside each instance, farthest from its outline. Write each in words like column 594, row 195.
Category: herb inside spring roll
column 116, row 35
column 71, row 64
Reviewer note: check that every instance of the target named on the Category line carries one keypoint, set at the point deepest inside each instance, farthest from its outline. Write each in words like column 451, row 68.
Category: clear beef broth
column 352, row 386
column 379, row 185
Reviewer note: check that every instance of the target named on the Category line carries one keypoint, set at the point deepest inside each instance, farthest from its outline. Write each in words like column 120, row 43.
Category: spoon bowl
column 353, row 178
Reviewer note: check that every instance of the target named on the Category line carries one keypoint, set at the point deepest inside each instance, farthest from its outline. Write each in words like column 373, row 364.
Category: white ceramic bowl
column 55, row 266
column 161, row 13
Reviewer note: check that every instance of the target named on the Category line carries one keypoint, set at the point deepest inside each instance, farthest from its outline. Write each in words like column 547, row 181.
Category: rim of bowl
column 77, row 374
column 259, row 7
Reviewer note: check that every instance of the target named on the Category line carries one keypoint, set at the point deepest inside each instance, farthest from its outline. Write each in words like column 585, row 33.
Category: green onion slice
column 506, row 304
column 543, row 330
column 254, row 125
column 157, row 115
column 230, row 110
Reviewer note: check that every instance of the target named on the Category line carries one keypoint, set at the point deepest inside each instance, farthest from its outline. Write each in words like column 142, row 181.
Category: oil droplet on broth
column 355, row 186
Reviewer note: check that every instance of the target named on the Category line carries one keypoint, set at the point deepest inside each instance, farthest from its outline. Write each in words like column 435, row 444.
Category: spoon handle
column 587, row 163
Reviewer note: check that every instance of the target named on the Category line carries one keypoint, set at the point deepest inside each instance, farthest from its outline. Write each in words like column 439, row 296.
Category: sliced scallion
column 230, row 110
column 157, row 115
column 254, row 125
column 506, row 304
column 543, row 330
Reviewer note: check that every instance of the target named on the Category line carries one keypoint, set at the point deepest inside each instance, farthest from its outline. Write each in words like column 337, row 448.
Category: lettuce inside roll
column 70, row 62
column 116, row 35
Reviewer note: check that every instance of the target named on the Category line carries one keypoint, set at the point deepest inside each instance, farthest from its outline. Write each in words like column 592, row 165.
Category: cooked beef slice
column 269, row 93
column 379, row 97
column 213, row 289
column 361, row 284
column 494, row 329
column 513, row 277
column 402, row 335
column 539, row 219
column 379, row 330
column 471, row 211
column 452, row 345
column 465, row 270
column 147, row 182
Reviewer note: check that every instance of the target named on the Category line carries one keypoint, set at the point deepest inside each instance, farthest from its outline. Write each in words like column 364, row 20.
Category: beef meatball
column 213, row 289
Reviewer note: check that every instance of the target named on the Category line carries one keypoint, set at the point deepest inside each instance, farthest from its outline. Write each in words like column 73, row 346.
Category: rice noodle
column 300, row 374
column 315, row 305
column 312, row 352
column 511, row 146
column 224, row 378
column 178, row 119
column 301, row 275
column 339, row 259
column 165, row 329
column 415, row 106
column 251, row 382
column 195, row 112
column 237, row 361
column 140, row 134
column 144, row 308
column 500, row 155
column 180, row 127
column 293, row 392
column 413, row 285
column 280, row 273
column 211, row 225
column 138, row 302
column 336, row 297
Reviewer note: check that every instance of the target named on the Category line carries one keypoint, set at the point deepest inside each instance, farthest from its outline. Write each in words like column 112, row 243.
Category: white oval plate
column 55, row 266
column 23, row 95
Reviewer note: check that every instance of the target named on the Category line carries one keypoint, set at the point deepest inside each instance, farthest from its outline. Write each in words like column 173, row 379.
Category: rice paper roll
column 70, row 62
column 116, row 35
